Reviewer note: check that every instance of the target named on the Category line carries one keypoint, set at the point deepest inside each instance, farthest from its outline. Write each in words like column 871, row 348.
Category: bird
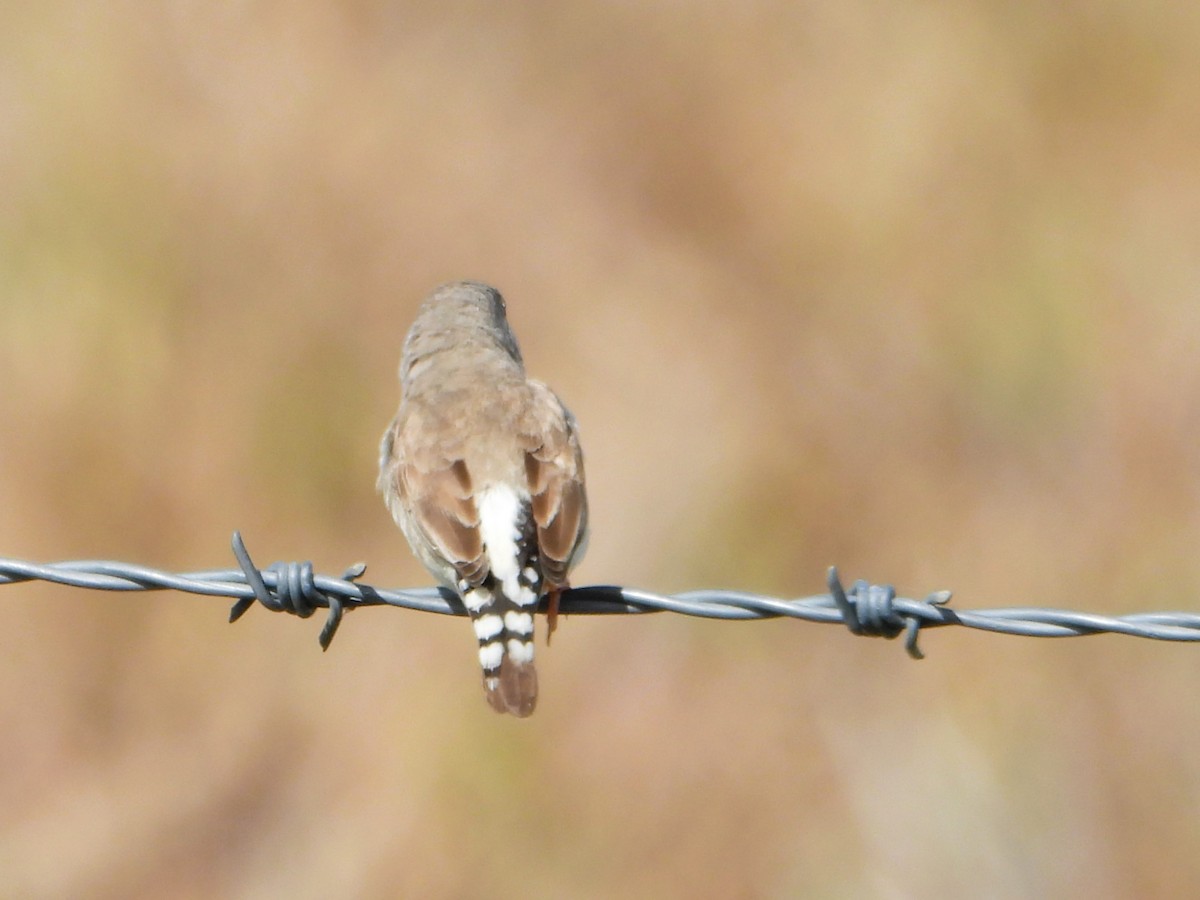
column 482, row 470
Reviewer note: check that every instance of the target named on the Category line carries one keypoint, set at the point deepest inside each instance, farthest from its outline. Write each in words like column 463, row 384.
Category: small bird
column 483, row 472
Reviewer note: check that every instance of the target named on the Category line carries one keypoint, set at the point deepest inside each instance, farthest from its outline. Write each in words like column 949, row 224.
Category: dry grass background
column 913, row 288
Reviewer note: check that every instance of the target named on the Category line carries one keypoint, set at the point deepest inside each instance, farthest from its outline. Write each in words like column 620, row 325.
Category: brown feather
column 438, row 492
column 554, row 468
column 516, row 690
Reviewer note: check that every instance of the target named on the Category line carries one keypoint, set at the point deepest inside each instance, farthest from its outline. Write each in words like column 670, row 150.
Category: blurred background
column 910, row 288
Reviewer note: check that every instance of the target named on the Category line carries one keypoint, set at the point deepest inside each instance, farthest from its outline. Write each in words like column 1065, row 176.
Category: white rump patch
column 522, row 623
column 499, row 515
column 488, row 626
column 491, row 654
column 519, row 651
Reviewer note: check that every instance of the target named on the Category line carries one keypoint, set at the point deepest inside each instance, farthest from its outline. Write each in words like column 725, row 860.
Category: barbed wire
column 865, row 609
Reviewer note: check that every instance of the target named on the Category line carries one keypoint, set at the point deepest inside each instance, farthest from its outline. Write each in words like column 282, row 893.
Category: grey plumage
column 483, row 472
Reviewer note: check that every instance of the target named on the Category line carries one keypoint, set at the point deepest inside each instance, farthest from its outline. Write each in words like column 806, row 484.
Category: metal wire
column 865, row 609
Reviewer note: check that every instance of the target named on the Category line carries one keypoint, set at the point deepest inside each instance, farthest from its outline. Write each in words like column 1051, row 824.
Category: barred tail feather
column 504, row 629
column 503, row 598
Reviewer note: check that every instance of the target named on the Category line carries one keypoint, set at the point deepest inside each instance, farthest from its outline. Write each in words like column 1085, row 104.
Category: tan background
column 912, row 288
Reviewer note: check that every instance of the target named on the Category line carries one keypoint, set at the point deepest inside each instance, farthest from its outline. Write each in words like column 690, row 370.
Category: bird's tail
column 502, row 613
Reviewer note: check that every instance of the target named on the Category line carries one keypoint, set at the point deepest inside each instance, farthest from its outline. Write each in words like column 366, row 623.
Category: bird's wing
column 554, row 466
column 433, row 487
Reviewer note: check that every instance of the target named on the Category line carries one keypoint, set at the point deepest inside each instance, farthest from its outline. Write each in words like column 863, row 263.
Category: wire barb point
column 295, row 590
column 869, row 609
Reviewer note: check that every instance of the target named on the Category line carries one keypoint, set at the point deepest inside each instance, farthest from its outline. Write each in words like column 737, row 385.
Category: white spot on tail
column 477, row 599
column 519, row 651
column 488, row 627
column 499, row 516
column 491, row 654
column 522, row 623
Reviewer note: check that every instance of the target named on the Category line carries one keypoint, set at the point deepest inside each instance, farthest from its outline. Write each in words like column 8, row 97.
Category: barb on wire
column 864, row 609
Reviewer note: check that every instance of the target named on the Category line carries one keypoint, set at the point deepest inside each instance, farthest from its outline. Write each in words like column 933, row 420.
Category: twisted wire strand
column 864, row 609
